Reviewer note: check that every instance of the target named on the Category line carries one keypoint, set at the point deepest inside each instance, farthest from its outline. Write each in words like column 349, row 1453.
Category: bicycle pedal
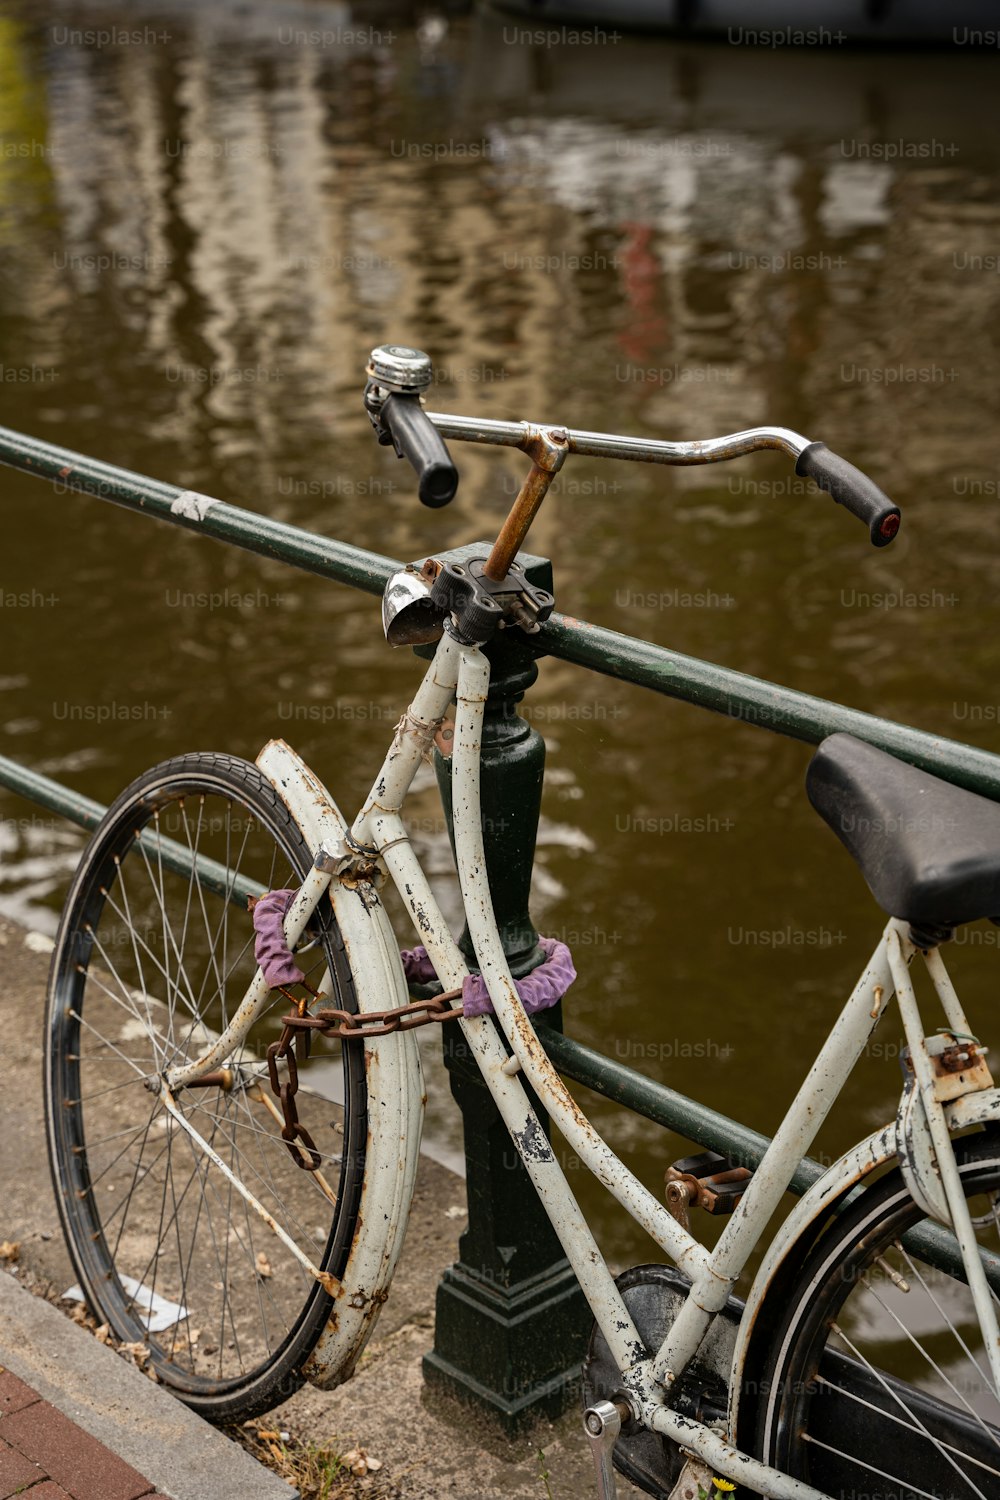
column 707, row 1181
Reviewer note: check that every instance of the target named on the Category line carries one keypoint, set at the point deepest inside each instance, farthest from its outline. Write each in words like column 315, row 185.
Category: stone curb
column 136, row 1419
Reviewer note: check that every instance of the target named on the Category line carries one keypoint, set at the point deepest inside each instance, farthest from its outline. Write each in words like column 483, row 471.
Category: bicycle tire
column 139, row 974
column 921, row 1421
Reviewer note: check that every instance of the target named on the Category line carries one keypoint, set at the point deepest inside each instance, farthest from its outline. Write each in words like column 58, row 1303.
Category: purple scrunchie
column 543, row 987
column 269, row 947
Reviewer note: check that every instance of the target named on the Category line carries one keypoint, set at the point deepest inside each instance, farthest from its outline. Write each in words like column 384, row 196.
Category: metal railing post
column 511, row 1320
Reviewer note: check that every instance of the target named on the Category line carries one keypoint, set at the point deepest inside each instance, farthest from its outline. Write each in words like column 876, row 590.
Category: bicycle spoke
column 882, row 1414
column 143, row 987
column 169, row 960
column 126, row 1002
column 917, row 1425
column 226, row 900
column 288, row 1216
column 173, row 989
column 136, row 1068
column 915, row 1271
column 175, row 1225
column 871, row 1468
column 122, row 1206
column 103, row 1140
column 112, row 1088
column 915, row 1342
column 203, row 1169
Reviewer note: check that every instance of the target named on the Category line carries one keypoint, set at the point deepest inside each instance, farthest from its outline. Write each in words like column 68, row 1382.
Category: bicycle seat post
column 548, row 449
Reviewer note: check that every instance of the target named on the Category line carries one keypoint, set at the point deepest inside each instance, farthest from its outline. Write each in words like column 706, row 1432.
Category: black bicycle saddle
column 929, row 851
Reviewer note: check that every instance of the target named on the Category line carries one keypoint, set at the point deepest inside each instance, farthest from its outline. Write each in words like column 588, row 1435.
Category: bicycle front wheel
column 878, row 1381
column 149, row 966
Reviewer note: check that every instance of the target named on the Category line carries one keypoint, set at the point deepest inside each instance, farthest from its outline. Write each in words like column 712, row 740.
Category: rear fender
column 774, row 1280
column 785, row 1255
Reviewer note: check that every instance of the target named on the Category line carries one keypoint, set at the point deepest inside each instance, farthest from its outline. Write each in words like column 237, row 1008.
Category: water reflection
column 203, row 235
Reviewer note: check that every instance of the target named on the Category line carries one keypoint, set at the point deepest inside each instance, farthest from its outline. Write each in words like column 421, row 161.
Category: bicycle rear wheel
column 149, row 965
column 877, row 1381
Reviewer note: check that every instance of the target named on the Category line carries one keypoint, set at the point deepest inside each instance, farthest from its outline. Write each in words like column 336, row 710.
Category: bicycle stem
column 547, row 449
column 550, row 446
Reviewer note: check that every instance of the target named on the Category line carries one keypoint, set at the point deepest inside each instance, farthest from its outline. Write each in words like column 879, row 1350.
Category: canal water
column 207, row 219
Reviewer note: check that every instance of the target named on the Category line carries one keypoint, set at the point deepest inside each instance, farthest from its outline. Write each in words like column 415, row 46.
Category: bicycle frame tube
column 380, row 823
column 473, row 684
column 756, row 1477
column 310, row 893
column 937, row 1127
column 413, row 739
column 810, row 1107
column 712, row 1276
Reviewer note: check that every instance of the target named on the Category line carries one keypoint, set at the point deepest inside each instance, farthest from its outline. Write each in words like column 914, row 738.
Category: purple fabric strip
column 543, row 987
column 270, row 948
column 538, row 990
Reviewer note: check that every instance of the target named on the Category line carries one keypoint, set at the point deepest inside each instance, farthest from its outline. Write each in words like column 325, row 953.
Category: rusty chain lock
column 297, row 1031
column 292, row 1130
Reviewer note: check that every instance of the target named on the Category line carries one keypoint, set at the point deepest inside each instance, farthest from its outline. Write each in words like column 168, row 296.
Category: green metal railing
column 532, row 1293
column 735, row 694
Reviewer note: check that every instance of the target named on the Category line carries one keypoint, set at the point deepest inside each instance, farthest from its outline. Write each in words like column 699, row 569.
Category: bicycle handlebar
column 852, row 489
column 848, row 485
column 415, row 437
column 398, row 375
column 617, row 445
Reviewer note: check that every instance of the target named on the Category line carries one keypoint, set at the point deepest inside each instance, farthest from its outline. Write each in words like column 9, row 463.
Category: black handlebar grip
column 415, row 437
column 851, row 488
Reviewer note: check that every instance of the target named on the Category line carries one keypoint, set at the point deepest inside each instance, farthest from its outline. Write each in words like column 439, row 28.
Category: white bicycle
column 244, row 1221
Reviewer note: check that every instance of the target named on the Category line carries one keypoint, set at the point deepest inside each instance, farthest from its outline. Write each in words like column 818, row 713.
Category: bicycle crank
column 653, row 1296
column 602, row 1424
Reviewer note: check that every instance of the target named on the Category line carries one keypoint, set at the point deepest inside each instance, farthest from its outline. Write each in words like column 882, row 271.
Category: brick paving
column 46, row 1456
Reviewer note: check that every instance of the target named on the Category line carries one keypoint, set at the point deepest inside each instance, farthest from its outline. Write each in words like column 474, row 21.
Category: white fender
column 394, row 1078
column 846, row 1173
column 849, row 1172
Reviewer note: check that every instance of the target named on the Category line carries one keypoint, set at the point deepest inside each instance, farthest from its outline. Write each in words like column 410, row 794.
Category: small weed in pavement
column 319, row 1471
